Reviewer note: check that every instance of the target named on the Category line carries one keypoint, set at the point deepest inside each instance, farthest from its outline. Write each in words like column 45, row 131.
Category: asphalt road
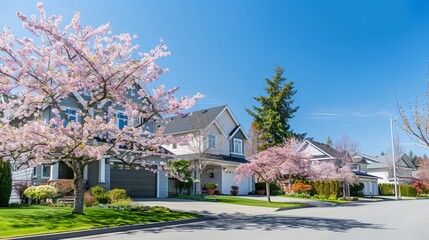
column 406, row 219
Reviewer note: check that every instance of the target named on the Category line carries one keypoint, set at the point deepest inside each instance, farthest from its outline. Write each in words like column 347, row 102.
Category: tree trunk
column 79, row 190
column 267, row 189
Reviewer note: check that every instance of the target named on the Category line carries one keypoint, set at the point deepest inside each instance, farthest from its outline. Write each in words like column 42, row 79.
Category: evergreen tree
column 275, row 111
column 5, row 183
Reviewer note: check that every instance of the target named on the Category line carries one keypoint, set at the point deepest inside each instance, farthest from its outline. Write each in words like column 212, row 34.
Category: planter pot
column 211, row 191
column 260, row 192
column 234, row 192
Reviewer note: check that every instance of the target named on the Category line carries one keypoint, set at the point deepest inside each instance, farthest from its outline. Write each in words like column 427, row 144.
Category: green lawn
column 323, row 200
column 244, row 201
column 21, row 221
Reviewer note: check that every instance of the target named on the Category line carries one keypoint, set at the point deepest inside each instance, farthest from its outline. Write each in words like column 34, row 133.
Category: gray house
column 109, row 173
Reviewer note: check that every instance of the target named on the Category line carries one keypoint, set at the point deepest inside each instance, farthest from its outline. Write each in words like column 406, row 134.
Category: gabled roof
column 384, row 161
column 328, row 150
column 194, row 121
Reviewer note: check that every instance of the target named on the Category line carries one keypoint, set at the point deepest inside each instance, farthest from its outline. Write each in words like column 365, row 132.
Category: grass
column 244, row 201
column 22, row 221
column 317, row 199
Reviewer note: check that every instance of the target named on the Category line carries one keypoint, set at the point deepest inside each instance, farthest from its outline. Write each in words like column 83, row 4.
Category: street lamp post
column 393, row 157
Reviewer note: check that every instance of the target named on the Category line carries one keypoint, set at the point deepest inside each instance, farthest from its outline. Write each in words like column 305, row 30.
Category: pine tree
column 275, row 111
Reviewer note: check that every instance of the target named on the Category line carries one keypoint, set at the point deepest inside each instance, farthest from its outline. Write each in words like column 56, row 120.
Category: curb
column 98, row 231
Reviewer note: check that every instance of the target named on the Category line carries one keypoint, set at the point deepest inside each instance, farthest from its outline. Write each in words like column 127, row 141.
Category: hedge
column 261, row 186
column 5, row 183
column 329, row 188
column 387, row 189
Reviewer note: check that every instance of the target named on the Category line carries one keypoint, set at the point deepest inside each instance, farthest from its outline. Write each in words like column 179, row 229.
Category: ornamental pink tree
column 273, row 164
column 326, row 170
column 38, row 75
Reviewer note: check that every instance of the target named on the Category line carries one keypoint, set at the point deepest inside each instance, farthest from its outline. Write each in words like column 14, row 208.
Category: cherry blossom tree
column 272, row 164
column 38, row 74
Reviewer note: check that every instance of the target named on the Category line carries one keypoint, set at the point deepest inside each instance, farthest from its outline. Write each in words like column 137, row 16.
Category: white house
column 382, row 167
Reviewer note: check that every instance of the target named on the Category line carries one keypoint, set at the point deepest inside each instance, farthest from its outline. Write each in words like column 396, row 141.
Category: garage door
column 138, row 182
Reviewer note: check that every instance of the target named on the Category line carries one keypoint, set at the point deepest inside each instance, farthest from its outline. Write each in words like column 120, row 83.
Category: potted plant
column 234, row 190
column 211, row 188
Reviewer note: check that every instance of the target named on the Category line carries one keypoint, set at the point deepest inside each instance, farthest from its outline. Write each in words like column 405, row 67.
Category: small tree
column 5, row 183
column 272, row 164
column 180, row 170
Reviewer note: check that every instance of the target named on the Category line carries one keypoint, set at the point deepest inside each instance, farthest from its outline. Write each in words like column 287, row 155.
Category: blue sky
column 347, row 58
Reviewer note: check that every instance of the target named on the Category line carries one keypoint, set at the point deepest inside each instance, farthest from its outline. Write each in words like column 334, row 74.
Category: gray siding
column 163, row 184
column 17, row 176
column 238, row 135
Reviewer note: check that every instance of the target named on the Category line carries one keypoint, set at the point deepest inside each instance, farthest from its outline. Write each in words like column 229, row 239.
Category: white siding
column 226, row 122
column 222, row 143
column 20, row 175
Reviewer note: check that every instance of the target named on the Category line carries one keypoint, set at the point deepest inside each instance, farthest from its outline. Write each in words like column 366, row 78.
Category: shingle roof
column 227, row 158
column 385, row 160
column 326, row 148
column 192, row 121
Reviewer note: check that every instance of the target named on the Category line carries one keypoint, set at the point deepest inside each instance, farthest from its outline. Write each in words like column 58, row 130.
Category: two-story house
column 358, row 163
column 382, row 167
column 217, row 141
column 110, row 173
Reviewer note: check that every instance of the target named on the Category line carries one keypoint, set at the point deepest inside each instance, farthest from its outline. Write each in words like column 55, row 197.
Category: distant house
column 218, row 140
column 381, row 166
column 358, row 164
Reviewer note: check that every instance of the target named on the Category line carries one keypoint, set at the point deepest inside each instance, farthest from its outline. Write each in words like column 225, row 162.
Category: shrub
column 210, row 185
column 89, row 200
column 408, row 191
column 421, row 187
column 100, row 194
column 300, row 187
column 261, row 186
column 386, row 189
column 356, row 189
column 63, row 186
column 40, row 192
column 121, row 204
column 19, row 188
column 5, row 183
column 117, row 194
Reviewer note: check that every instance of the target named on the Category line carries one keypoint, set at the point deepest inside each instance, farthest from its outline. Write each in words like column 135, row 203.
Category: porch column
column 54, row 171
column 102, row 171
column 370, row 188
column 197, row 184
column 85, row 173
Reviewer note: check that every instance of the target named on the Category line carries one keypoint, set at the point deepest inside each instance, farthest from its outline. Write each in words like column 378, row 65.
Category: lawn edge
column 113, row 229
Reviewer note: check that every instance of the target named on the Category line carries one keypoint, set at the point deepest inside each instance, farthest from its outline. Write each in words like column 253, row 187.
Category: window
column 238, row 146
column 46, row 171
column 212, row 142
column 174, row 146
column 35, row 172
column 71, row 116
column 122, row 120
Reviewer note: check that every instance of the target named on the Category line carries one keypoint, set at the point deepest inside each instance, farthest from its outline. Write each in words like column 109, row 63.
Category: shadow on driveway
column 226, row 222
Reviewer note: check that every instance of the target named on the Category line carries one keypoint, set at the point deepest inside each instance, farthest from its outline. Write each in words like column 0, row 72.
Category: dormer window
column 238, row 146
column 212, row 142
column 121, row 120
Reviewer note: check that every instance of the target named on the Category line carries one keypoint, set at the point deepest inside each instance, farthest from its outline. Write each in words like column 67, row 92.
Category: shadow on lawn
column 226, row 222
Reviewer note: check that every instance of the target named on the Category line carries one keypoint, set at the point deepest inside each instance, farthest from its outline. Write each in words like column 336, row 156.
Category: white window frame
column 48, row 172
column 234, row 150
column 211, row 145
column 35, row 171
column 117, row 119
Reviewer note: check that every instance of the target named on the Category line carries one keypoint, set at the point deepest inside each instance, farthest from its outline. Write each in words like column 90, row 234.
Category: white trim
column 236, row 130
column 157, row 181
column 102, row 170
column 233, row 146
column 54, row 171
column 217, row 125
column 85, row 173
column 208, row 141
column 233, row 118
column 41, row 172
column 320, row 150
